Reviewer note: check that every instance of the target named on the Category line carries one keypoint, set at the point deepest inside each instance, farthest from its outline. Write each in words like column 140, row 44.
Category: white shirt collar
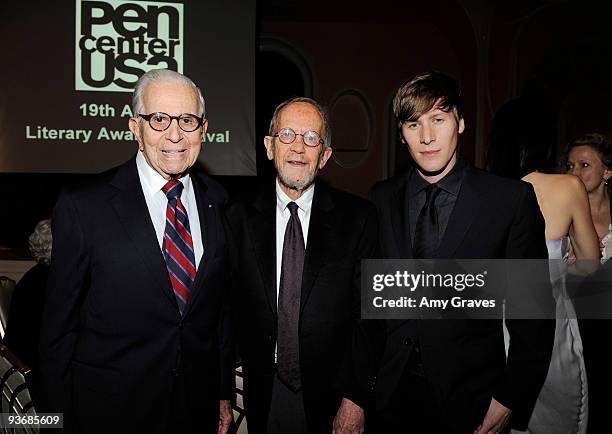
column 151, row 181
column 304, row 202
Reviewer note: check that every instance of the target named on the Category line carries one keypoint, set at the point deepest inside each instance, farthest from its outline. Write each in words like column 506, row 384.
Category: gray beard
column 298, row 186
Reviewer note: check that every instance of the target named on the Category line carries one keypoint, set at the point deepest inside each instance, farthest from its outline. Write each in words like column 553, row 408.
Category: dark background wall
column 545, row 66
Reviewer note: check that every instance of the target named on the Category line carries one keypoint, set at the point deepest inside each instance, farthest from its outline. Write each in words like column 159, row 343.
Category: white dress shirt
column 152, row 183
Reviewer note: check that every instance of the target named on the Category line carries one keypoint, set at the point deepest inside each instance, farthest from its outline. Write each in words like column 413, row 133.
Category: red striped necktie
column 178, row 245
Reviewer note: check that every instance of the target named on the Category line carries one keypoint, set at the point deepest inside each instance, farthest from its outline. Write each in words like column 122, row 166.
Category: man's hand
column 225, row 416
column 495, row 420
column 349, row 419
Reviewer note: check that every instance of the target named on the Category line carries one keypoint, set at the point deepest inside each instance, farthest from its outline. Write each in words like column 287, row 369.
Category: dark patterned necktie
column 178, row 245
column 426, row 231
column 288, row 354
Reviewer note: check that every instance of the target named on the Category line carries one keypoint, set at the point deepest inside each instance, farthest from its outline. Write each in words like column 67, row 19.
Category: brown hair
column 601, row 143
column 424, row 91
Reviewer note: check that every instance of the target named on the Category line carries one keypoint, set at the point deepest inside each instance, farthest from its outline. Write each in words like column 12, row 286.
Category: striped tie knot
column 173, row 189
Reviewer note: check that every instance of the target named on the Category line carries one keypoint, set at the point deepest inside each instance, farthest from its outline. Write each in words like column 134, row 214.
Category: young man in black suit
column 295, row 249
column 135, row 332
column 452, row 376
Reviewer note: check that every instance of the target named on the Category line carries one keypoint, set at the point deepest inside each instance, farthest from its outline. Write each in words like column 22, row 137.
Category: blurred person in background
column 589, row 157
column 562, row 404
column 527, row 153
column 23, row 327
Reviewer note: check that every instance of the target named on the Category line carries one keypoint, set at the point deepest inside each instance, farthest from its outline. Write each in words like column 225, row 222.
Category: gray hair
column 163, row 75
column 318, row 107
column 39, row 243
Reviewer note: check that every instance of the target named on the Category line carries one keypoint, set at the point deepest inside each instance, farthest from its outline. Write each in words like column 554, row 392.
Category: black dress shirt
column 450, row 186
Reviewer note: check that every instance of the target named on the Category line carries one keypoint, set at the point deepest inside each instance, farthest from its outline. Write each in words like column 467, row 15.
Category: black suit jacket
column 115, row 352
column 465, row 360
column 341, row 232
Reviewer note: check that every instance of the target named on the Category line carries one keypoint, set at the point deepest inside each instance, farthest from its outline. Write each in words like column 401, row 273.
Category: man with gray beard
column 295, row 250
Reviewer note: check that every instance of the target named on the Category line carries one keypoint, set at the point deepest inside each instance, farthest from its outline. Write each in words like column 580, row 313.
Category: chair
column 15, row 395
column 240, row 426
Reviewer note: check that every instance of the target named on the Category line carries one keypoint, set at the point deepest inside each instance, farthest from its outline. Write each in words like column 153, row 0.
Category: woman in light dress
column 590, row 158
column 561, row 407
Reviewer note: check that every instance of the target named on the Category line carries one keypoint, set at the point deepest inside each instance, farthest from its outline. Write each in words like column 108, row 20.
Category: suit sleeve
column 66, row 287
column 357, row 376
column 226, row 329
column 226, row 349
column 531, row 340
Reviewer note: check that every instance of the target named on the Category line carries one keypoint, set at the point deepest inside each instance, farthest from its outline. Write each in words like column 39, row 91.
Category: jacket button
column 407, row 342
column 270, row 338
column 175, row 372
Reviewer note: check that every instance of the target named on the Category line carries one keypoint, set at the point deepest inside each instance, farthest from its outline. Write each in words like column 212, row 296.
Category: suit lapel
column 319, row 234
column 208, row 229
column 400, row 226
column 131, row 208
column 262, row 229
column 466, row 209
column 400, row 223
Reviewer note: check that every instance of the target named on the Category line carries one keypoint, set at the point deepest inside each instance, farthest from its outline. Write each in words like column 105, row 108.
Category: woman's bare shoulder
column 556, row 183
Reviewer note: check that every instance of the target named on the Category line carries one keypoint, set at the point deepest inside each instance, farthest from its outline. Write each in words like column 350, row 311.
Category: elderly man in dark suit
column 452, row 376
column 135, row 334
column 296, row 247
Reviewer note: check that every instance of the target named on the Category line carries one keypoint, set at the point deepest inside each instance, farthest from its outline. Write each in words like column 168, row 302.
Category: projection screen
column 69, row 68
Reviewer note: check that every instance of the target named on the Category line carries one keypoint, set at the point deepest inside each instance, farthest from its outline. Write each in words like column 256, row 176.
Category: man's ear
column 401, row 133
column 134, row 128
column 326, row 154
column 269, row 147
column 461, row 126
column 204, row 129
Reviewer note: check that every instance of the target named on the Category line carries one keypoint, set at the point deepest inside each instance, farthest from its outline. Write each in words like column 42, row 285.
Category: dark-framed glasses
column 161, row 121
column 310, row 138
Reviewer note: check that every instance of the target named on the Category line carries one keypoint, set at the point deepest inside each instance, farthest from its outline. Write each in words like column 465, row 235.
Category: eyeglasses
column 310, row 138
column 160, row 121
